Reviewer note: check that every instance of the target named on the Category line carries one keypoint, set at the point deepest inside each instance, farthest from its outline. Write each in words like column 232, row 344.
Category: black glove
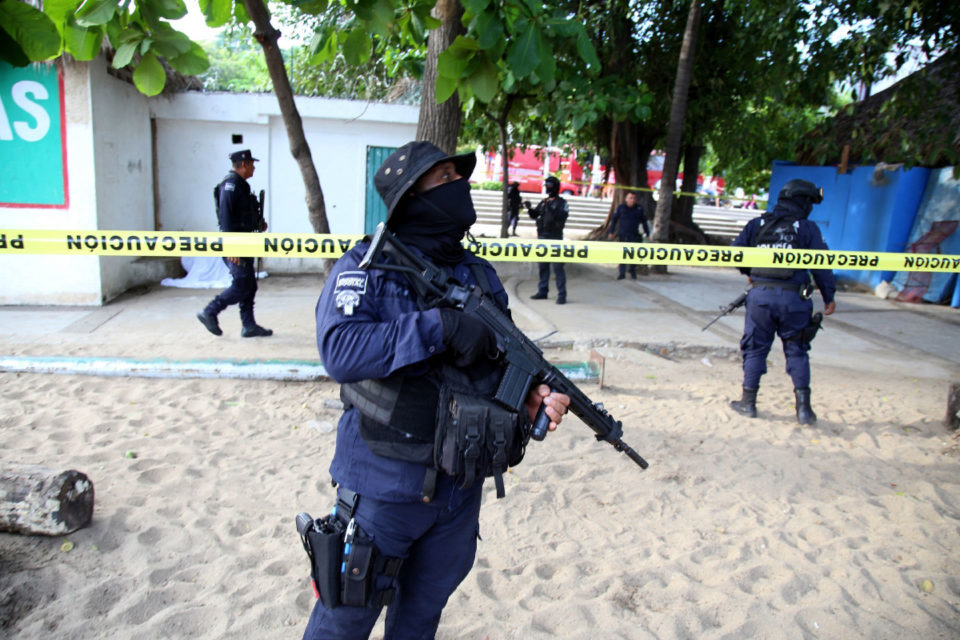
column 466, row 337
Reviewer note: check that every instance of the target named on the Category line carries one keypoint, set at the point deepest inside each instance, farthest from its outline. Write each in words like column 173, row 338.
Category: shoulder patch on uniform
column 351, row 285
column 229, row 186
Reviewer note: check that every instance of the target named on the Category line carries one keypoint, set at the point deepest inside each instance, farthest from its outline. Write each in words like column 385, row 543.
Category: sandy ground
column 739, row 529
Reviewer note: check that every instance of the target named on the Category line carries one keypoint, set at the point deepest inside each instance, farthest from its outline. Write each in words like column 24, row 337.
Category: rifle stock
column 525, row 364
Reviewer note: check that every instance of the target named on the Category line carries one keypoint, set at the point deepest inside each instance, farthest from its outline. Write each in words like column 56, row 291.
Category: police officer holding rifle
column 440, row 391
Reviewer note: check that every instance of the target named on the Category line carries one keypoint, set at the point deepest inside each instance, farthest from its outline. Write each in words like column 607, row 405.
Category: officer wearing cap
column 778, row 301
column 237, row 211
column 371, row 330
column 551, row 216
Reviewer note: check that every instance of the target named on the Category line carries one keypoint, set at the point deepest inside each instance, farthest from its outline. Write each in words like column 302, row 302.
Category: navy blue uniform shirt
column 238, row 207
column 369, row 325
column 630, row 219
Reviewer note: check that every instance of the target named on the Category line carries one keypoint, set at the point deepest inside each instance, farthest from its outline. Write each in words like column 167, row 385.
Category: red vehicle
column 526, row 166
column 708, row 186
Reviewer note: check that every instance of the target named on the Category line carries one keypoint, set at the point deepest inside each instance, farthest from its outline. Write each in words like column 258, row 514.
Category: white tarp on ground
column 203, row 273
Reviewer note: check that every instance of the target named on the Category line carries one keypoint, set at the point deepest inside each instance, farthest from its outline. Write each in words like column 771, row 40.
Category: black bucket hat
column 404, row 167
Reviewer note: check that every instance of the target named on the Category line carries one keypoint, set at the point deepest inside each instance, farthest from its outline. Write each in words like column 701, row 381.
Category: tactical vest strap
column 480, row 275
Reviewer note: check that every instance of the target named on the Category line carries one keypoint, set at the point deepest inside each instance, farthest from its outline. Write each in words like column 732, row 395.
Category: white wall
column 111, row 174
column 194, row 133
column 123, row 161
column 54, row 279
column 193, row 148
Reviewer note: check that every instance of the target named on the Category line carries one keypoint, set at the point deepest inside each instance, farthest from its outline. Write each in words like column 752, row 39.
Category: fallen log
column 38, row 500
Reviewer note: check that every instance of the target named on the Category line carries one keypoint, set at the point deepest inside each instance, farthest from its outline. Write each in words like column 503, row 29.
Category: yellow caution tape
column 330, row 246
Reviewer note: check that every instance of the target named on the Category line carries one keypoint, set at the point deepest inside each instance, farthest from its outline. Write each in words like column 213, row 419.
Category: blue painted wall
column 860, row 212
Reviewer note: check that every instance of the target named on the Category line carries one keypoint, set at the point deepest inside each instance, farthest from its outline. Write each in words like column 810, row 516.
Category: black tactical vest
column 428, row 419
column 779, row 233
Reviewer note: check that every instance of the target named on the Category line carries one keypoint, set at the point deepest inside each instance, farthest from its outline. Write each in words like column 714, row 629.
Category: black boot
column 209, row 320
column 255, row 331
column 746, row 405
column 805, row 414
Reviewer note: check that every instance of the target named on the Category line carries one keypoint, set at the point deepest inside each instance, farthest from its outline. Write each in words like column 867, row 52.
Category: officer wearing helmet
column 389, row 352
column 551, row 215
column 778, row 301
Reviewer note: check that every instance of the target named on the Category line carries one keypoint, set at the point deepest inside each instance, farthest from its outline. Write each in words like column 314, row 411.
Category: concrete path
column 662, row 314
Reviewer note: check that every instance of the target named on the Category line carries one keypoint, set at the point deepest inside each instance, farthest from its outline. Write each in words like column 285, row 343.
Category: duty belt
column 803, row 289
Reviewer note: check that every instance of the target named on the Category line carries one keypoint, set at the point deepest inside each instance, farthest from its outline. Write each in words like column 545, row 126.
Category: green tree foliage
column 141, row 35
column 236, row 63
column 587, row 71
column 386, row 74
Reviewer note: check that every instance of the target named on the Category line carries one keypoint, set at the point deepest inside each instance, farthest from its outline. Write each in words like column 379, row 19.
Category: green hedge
column 487, row 186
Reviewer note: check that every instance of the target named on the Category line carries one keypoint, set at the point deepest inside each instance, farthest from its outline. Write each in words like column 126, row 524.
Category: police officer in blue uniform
column 627, row 220
column 778, row 301
column 513, row 206
column 551, row 216
column 373, row 333
column 237, row 210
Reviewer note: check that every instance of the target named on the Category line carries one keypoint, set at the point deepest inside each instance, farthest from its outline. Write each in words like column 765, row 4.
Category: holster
column 809, row 332
column 323, row 541
column 344, row 563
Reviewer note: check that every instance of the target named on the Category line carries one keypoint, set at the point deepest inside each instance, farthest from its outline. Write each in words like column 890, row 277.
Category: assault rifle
column 733, row 306
column 525, row 364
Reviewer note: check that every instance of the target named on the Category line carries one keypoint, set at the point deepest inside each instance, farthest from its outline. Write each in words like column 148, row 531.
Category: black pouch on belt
column 357, row 575
column 323, row 541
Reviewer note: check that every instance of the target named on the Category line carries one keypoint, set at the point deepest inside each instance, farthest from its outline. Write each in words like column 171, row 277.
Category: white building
column 83, row 150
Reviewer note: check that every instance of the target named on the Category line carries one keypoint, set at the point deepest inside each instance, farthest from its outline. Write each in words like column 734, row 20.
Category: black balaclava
column 791, row 209
column 435, row 221
column 552, row 186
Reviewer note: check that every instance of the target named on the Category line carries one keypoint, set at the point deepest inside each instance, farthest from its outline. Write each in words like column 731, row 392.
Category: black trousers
column 241, row 291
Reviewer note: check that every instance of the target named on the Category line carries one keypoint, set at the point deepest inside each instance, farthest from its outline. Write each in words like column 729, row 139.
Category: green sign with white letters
column 33, row 170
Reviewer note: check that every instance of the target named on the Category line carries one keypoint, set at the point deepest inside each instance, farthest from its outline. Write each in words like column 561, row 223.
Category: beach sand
column 739, row 529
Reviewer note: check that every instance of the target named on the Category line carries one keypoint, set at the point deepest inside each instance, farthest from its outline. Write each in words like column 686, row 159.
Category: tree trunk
column 678, row 109
column 682, row 216
column 505, row 178
column 267, row 36
column 440, row 123
column 645, row 144
column 40, row 501
column 626, row 168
